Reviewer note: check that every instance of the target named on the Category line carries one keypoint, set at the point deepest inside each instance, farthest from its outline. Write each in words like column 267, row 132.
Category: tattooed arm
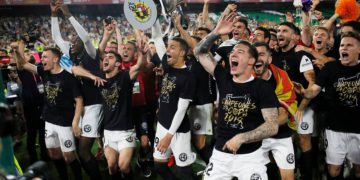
column 265, row 130
column 225, row 26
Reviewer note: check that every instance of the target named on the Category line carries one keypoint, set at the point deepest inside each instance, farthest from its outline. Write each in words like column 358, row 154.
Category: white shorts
column 200, row 118
column 225, row 166
column 59, row 136
column 340, row 145
column 90, row 121
column 119, row 140
column 180, row 146
column 282, row 150
column 307, row 124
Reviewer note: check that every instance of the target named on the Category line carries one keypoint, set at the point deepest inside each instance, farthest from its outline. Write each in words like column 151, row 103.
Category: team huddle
column 261, row 91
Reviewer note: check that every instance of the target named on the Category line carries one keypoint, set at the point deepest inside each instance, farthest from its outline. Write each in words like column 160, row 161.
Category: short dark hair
column 290, row 25
column 183, row 44
column 266, row 31
column 352, row 35
column 260, row 44
column 204, row 29
column 117, row 56
column 252, row 50
column 354, row 24
column 148, row 35
column 244, row 21
column 272, row 30
column 55, row 51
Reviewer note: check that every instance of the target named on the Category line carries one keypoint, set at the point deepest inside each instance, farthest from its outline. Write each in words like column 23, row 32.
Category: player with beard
column 280, row 145
column 83, row 55
column 248, row 109
column 177, row 91
column 341, row 81
column 299, row 67
column 261, row 34
column 119, row 133
column 62, row 108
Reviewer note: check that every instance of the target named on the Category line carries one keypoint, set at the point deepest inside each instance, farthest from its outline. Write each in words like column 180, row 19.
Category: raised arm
column 18, row 48
column 205, row 14
column 55, row 29
column 265, row 130
column 118, row 38
column 184, row 34
column 84, row 36
column 224, row 26
column 157, row 36
column 306, row 36
column 328, row 24
column 108, row 31
column 142, row 58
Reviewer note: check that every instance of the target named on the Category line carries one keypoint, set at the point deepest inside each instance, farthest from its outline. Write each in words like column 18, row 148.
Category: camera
column 108, row 20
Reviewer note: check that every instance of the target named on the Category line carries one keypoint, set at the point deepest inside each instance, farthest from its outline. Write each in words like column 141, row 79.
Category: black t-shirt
column 342, row 94
column 284, row 130
column 334, row 53
column 176, row 83
column 204, row 90
column 117, row 101
column 31, row 83
column 60, row 92
column 240, row 107
column 90, row 92
column 295, row 64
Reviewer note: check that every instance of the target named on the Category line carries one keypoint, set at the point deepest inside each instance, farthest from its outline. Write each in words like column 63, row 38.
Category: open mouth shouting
column 168, row 56
column 234, row 63
column 259, row 64
column 344, row 55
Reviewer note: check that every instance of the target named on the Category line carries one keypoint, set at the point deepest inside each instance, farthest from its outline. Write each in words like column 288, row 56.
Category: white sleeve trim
column 84, row 36
column 183, row 104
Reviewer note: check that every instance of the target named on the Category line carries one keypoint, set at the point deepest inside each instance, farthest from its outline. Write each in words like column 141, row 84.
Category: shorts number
column 209, row 168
